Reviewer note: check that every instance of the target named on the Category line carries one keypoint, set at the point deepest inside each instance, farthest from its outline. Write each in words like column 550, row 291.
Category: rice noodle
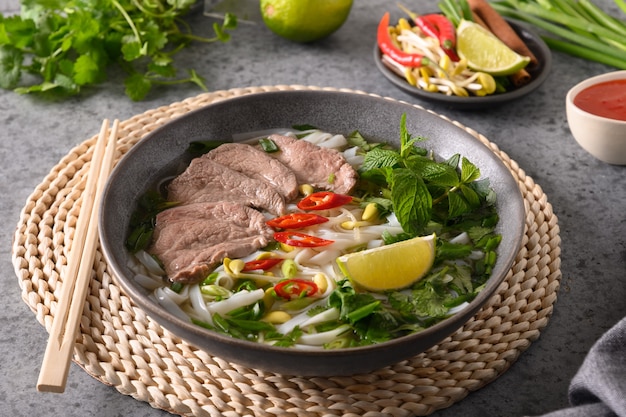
column 239, row 299
column 199, row 304
column 318, row 339
column 149, row 262
column 165, row 298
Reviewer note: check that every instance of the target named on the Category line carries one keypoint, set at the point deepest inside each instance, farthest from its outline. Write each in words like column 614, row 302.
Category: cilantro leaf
column 86, row 70
column 137, row 86
column 10, row 66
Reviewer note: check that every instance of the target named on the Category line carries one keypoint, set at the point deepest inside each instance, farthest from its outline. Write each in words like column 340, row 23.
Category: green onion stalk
column 576, row 27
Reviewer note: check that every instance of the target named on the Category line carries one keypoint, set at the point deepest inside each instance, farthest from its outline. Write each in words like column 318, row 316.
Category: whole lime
column 305, row 20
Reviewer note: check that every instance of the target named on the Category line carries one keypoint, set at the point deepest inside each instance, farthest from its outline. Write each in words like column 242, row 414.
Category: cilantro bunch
column 57, row 47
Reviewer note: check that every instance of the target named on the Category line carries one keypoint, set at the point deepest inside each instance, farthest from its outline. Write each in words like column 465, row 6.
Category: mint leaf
column 471, row 196
column 434, row 173
column 411, row 200
column 380, row 158
column 469, row 171
column 453, row 161
column 457, row 205
column 407, row 141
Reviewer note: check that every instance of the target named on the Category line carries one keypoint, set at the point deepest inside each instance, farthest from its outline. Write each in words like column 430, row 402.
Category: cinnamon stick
column 499, row 27
column 520, row 78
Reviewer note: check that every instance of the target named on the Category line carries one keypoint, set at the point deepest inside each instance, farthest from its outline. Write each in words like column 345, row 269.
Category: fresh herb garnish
column 420, row 188
column 200, row 147
column 68, row 45
column 142, row 220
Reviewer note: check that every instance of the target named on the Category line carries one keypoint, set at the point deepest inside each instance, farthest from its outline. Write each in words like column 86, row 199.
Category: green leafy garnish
column 420, row 188
column 69, row 45
column 142, row 220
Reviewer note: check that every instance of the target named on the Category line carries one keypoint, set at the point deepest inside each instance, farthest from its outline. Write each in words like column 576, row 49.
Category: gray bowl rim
column 317, row 358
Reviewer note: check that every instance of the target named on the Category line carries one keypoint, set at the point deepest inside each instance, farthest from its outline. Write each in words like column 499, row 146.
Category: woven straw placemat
column 122, row 347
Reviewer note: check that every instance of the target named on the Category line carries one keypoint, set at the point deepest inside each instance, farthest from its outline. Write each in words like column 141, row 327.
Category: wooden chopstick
column 57, row 358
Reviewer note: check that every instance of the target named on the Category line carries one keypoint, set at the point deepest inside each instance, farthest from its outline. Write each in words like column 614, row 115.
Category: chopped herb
column 200, row 147
column 268, row 145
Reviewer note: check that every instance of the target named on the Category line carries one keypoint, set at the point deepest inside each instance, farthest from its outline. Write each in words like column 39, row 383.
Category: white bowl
column 602, row 137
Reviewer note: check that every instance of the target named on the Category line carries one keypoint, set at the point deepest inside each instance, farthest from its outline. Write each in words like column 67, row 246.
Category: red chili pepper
column 323, row 200
column 388, row 48
column 263, row 264
column 296, row 221
column 301, row 240
column 439, row 27
column 295, row 288
column 445, row 32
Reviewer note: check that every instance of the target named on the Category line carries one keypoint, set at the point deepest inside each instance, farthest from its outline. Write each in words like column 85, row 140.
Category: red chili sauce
column 606, row 99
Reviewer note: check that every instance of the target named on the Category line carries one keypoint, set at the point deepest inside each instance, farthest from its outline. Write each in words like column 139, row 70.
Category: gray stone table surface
column 588, row 196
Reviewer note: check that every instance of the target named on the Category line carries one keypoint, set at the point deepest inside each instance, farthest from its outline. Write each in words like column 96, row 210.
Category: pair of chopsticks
column 57, row 358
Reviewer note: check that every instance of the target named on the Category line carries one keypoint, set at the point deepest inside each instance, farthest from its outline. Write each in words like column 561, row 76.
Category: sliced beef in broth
column 321, row 167
column 206, row 180
column 257, row 164
column 192, row 239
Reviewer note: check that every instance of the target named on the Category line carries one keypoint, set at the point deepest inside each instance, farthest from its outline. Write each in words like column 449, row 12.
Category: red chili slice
column 301, row 240
column 323, row 200
column 295, row 288
column 296, row 221
column 263, row 264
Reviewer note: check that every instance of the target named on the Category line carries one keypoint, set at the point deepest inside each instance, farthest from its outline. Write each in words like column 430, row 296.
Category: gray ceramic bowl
column 162, row 153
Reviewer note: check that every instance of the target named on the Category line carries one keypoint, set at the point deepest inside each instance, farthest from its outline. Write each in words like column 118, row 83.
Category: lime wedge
column 390, row 267
column 485, row 52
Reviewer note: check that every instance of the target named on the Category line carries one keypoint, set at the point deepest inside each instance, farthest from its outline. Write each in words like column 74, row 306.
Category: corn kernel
column 269, row 297
column 226, row 262
column 236, row 266
column 370, row 212
column 320, row 280
column 265, row 255
column 286, row 248
column 348, row 225
column 276, row 317
column 306, row 189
